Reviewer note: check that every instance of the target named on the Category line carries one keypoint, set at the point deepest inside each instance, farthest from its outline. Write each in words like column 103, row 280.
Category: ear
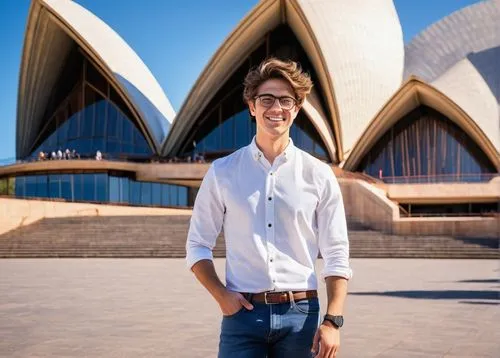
column 251, row 107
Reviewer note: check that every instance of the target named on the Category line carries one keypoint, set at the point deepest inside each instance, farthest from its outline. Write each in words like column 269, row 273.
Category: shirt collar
column 257, row 153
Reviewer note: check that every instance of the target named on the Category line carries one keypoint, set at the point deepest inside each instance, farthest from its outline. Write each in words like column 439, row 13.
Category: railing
column 113, row 203
column 358, row 175
column 132, row 159
column 438, row 215
column 440, row 178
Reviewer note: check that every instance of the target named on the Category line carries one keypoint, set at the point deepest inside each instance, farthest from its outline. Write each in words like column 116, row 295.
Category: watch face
column 339, row 321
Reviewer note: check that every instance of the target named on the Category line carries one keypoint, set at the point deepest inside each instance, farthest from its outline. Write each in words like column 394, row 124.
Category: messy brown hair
column 290, row 71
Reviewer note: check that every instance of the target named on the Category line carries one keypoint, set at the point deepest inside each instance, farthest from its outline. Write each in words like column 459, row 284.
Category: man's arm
column 229, row 302
column 334, row 248
column 205, row 226
column 326, row 341
column 336, row 290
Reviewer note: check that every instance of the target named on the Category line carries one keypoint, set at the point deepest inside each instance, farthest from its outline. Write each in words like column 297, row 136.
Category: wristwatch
column 337, row 321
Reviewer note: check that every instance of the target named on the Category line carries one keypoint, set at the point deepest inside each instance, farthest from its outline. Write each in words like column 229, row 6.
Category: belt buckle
column 265, row 298
column 271, row 303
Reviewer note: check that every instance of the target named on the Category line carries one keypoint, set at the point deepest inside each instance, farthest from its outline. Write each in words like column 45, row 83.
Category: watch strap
column 337, row 321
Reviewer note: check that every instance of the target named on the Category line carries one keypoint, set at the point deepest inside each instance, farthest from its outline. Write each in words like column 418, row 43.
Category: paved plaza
column 155, row 308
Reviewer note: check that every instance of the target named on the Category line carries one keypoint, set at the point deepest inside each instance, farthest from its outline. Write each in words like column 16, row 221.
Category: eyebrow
column 270, row 94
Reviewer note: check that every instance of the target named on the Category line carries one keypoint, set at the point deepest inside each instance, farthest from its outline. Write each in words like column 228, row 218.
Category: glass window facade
column 7, row 186
column 238, row 131
column 225, row 124
column 455, row 209
column 91, row 118
column 426, row 145
column 96, row 187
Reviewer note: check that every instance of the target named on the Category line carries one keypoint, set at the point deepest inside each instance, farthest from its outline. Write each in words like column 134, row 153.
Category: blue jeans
column 270, row 331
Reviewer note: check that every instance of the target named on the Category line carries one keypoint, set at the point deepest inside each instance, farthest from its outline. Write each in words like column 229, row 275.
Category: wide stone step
column 165, row 236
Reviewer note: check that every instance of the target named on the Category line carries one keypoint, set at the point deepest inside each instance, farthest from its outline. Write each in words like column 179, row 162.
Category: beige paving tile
column 155, row 308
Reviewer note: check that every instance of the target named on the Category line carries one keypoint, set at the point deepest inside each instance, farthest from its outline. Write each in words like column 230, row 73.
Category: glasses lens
column 287, row 102
column 267, row 101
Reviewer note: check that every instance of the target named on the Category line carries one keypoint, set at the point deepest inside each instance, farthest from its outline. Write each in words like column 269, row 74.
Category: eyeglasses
column 268, row 100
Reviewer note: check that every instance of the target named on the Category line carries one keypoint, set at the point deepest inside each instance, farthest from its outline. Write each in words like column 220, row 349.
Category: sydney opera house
column 412, row 131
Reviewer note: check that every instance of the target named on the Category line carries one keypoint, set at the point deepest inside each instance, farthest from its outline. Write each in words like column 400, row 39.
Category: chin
column 277, row 132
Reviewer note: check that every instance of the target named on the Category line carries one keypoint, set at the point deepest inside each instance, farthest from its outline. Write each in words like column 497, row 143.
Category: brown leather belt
column 279, row 297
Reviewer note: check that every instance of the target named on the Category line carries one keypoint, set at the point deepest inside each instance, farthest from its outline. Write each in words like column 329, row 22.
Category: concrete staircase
column 164, row 236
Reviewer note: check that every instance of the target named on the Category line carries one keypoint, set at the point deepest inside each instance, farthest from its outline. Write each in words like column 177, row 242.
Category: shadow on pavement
column 493, row 280
column 436, row 295
column 484, row 242
column 480, row 303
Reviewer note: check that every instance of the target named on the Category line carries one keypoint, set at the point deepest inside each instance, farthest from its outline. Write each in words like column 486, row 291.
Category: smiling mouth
column 275, row 118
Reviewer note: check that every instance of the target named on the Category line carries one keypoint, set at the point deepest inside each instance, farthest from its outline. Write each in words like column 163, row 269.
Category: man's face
column 272, row 119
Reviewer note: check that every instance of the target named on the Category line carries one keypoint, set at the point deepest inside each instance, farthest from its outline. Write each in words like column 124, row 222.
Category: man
column 278, row 206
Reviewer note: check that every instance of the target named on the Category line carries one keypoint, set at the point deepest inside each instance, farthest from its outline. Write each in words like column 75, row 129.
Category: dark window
column 3, row 186
column 112, row 125
column 145, row 193
column 89, row 187
column 183, row 196
column 73, row 124
column 78, row 186
column 174, row 199
column 54, row 186
column 127, row 129
column 88, row 120
column 41, row 186
column 135, row 192
column 31, row 186
column 156, row 194
column 94, row 77
column 243, row 134
column 114, row 189
column 100, row 120
column 67, row 187
column 20, row 183
column 97, row 187
column 165, row 195
column 124, row 190
column 101, row 187
column 425, row 146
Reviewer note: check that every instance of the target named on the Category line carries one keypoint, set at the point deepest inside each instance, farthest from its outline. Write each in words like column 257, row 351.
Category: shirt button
column 271, row 260
column 269, row 225
column 271, row 173
column 269, row 198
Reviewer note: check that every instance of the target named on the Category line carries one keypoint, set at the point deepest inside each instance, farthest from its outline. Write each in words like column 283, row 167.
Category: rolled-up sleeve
column 206, row 221
column 332, row 229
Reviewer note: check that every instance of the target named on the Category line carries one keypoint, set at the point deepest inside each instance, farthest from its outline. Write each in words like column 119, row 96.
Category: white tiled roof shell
column 465, row 85
column 127, row 67
column 362, row 43
column 460, row 56
column 472, row 29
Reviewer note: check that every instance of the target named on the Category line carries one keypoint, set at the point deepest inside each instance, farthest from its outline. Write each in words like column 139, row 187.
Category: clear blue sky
column 174, row 38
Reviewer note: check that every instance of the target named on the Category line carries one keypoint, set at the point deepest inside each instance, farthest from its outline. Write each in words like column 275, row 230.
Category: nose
column 276, row 105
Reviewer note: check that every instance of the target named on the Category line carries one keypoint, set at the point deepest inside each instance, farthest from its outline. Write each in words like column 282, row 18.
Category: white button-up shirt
column 275, row 219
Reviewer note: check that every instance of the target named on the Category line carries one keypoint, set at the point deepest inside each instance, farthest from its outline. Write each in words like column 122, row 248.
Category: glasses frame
column 276, row 98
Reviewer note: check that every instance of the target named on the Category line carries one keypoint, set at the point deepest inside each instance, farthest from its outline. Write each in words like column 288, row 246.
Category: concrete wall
column 368, row 205
column 482, row 227
column 18, row 212
column 445, row 192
